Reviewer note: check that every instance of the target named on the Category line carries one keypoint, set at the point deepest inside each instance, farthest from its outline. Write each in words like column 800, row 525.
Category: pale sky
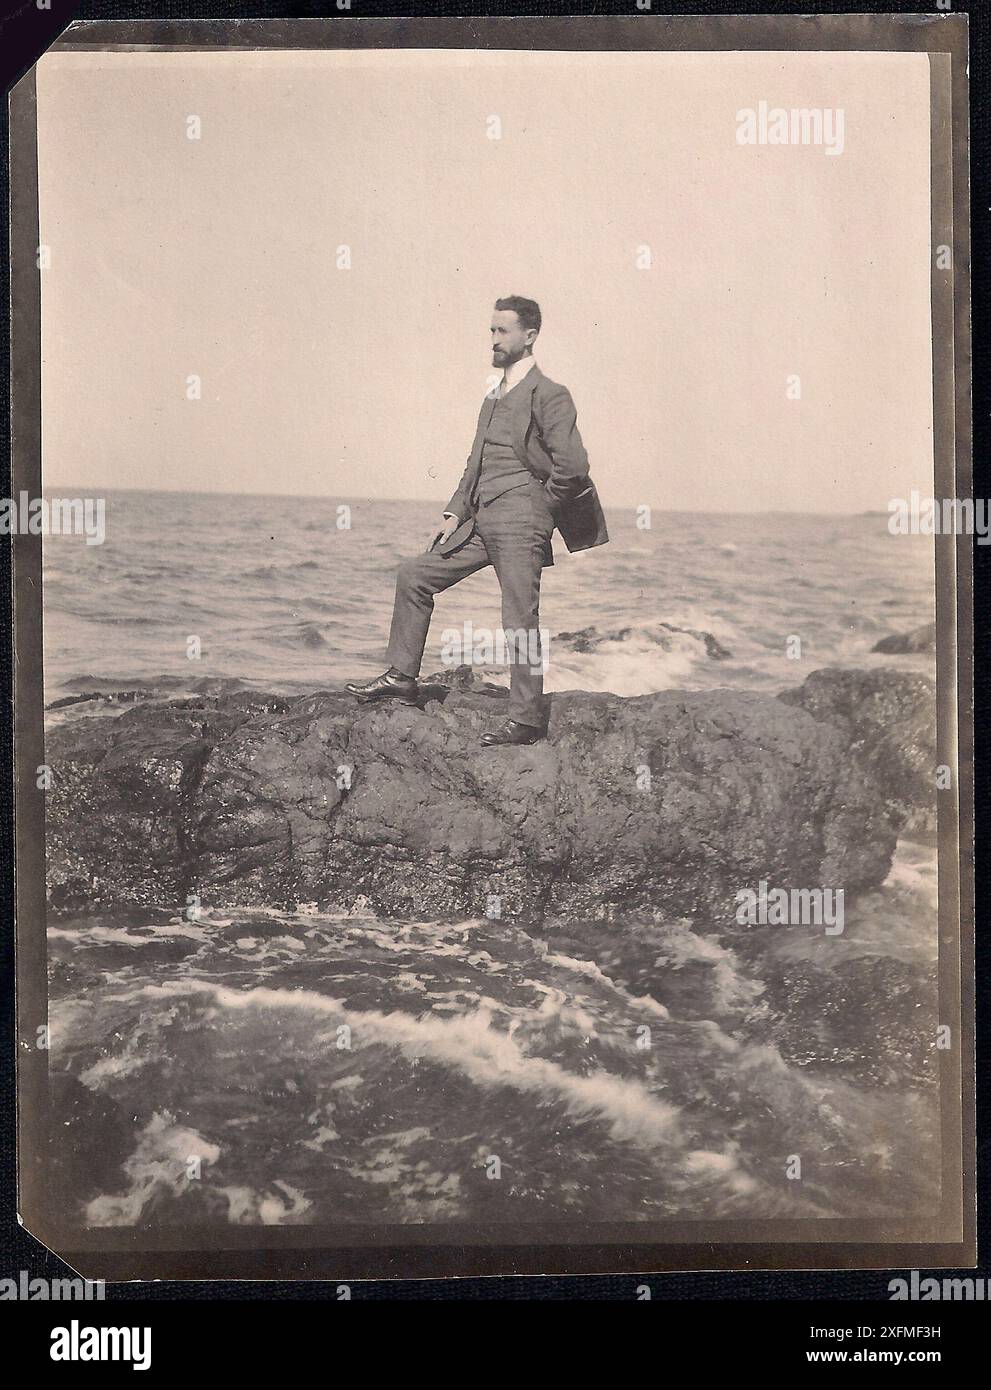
column 217, row 257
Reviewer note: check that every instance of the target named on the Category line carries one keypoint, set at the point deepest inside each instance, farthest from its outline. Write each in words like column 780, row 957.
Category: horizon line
column 427, row 501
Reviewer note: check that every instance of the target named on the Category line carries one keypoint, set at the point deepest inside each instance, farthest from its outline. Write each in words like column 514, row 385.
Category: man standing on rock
column 526, row 475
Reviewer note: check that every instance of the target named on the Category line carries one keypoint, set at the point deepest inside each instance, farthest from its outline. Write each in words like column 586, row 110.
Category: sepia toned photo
column 491, row 520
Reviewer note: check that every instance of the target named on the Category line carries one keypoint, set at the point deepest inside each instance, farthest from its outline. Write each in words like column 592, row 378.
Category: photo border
column 349, row 1251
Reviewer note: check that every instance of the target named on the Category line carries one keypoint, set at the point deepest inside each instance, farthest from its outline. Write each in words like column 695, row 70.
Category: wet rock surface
column 889, row 719
column 672, row 799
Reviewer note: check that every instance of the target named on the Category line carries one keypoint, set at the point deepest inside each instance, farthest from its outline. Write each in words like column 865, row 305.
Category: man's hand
column 445, row 528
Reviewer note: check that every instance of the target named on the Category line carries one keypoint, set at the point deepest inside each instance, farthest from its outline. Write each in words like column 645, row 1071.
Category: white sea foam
column 472, row 1046
column 159, row 1164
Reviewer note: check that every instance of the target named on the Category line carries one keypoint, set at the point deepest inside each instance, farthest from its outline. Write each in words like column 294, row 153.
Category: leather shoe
column 513, row 733
column 385, row 687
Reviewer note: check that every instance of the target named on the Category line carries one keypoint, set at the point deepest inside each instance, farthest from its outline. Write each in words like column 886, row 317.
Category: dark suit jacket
column 547, row 442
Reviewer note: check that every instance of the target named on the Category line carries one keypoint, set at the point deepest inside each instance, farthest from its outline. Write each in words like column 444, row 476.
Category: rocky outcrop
column 817, row 1017
column 670, row 802
column 920, row 639
column 889, row 720
column 663, row 635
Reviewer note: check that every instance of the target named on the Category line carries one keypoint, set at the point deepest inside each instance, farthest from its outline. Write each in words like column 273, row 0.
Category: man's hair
column 526, row 310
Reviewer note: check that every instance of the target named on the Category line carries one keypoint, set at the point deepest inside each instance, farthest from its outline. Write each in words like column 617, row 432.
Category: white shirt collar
column 516, row 371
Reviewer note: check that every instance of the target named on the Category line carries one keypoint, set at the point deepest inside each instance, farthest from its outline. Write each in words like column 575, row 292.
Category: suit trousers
column 513, row 534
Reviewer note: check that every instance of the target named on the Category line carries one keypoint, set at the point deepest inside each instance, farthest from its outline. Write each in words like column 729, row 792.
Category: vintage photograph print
column 491, row 518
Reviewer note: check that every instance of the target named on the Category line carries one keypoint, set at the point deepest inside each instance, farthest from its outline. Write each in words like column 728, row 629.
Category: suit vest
column 501, row 469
